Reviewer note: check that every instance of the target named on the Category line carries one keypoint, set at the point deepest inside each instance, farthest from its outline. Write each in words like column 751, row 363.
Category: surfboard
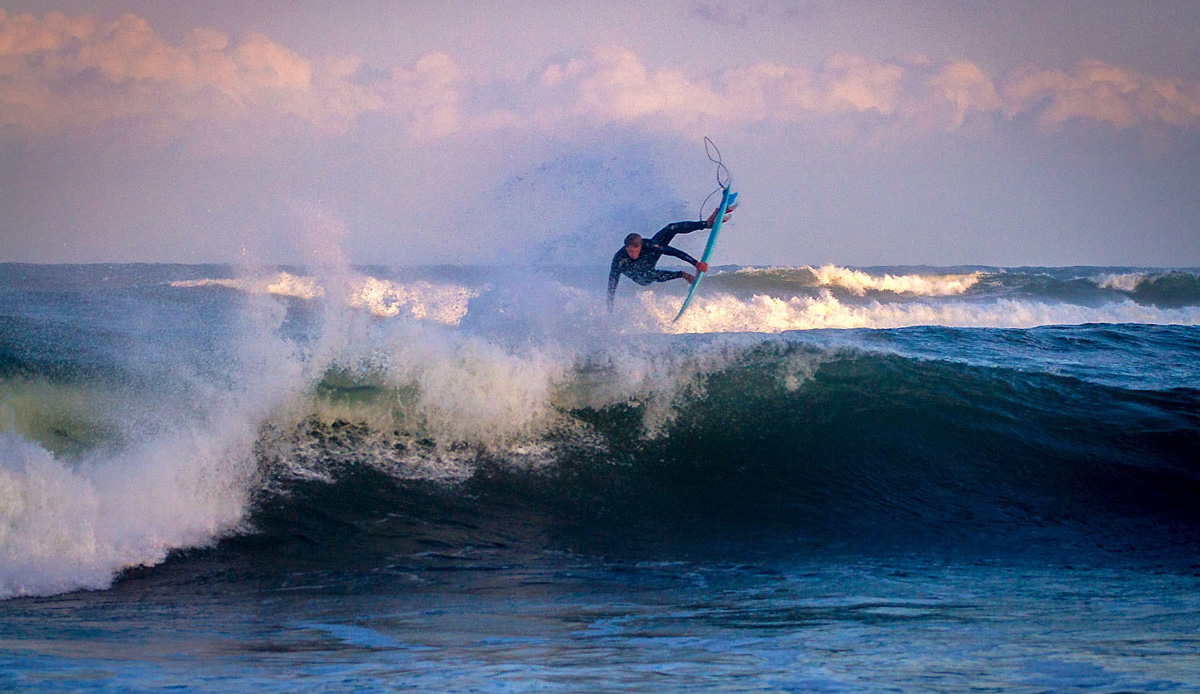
column 727, row 200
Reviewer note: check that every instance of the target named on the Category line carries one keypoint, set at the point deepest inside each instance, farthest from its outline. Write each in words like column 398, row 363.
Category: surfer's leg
column 667, row 233
column 666, row 275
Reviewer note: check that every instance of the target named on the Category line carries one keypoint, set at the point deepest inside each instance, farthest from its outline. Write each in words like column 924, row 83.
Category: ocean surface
column 453, row 479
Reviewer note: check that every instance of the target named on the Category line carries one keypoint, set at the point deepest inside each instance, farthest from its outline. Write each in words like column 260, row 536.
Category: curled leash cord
column 709, row 148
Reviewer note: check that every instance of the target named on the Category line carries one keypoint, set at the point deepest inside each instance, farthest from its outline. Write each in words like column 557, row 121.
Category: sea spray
column 75, row 522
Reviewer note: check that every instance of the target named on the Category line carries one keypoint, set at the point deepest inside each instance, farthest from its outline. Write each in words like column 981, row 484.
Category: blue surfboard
column 727, row 201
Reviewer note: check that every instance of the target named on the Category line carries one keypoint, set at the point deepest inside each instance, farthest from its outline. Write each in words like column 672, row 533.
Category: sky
column 385, row 132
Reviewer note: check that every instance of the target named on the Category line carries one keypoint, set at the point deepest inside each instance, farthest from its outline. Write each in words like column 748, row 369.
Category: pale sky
column 1024, row 132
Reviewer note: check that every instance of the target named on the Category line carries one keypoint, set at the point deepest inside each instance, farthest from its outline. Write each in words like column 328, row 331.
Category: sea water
column 824, row 479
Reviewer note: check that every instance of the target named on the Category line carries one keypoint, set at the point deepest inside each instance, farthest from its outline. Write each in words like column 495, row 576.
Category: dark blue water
column 466, row 479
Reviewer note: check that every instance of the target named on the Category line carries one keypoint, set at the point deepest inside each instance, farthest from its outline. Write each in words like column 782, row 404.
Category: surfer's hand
column 702, row 266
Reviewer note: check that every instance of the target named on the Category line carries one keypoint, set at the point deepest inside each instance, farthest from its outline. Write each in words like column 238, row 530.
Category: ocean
column 474, row 479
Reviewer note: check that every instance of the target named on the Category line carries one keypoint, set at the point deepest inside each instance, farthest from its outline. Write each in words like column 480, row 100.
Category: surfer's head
column 633, row 245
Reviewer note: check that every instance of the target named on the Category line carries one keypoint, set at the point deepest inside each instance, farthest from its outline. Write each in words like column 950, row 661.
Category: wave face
column 340, row 413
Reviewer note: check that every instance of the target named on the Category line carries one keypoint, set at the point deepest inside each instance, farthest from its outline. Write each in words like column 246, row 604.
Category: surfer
column 637, row 258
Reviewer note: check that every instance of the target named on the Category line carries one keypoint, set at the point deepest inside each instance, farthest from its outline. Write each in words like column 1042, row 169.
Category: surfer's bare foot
column 689, row 277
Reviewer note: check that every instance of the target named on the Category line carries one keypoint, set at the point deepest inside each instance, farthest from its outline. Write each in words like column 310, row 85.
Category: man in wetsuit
column 636, row 260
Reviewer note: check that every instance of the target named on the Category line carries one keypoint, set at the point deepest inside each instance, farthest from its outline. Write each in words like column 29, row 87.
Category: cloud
column 61, row 73
column 58, row 73
column 426, row 96
column 612, row 84
column 1096, row 91
column 907, row 95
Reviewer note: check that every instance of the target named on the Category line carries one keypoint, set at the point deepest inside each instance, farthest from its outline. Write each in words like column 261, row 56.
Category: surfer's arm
column 614, row 275
column 668, row 250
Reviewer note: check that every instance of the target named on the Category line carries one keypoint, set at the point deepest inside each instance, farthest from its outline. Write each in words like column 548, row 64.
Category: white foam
column 445, row 304
column 1124, row 282
column 75, row 523
column 69, row 526
column 859, row 282
column 469, row 389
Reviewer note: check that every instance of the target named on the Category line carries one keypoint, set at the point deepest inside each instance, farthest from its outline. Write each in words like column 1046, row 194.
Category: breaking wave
column 298, row 392
column 767, row 314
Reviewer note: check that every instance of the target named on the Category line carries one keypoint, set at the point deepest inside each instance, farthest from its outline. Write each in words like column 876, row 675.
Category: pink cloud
column 613, row 85
column 904, row 95
column 58, row 73
column 1103, row 93
column 24, row 34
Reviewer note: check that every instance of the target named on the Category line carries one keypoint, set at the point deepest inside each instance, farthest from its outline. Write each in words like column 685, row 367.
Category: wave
column 1125, row 282
column 855, row 282
column 521, row 395
column 767, row 314
column 100, row 476
column 1174, row 288
column 675, row 437
column 1081, row 286
column 816, row 445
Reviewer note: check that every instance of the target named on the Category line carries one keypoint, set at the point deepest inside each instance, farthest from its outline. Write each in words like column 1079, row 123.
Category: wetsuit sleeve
column 614, row 274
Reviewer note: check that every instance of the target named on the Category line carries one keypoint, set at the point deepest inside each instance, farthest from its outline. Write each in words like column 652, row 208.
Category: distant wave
column 423, row 300
column 1161, row 288
column 282, row 284
column 856, row 282
column 767, row 314
column 1125, row 281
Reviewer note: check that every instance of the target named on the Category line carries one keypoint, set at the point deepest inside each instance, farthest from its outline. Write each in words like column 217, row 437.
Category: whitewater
column 458, row 478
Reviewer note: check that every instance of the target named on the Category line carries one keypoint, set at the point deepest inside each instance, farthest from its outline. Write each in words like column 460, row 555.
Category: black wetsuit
column 642, row 270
